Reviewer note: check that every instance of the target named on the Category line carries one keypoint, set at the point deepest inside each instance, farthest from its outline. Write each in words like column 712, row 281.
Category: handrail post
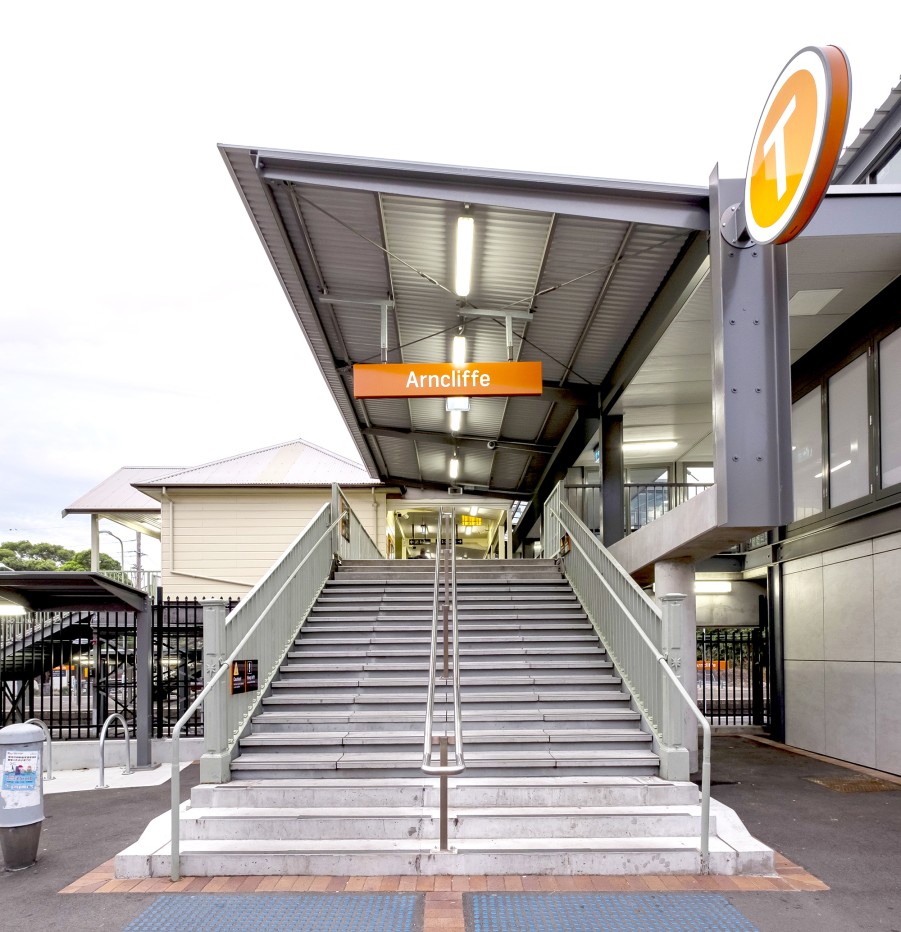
column 672, row 724
column 214, row 763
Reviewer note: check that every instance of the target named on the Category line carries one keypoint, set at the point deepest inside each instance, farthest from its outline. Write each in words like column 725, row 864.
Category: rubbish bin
column 21, row 794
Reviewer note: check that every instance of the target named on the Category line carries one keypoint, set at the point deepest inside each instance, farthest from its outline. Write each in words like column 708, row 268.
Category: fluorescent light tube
column 454, row 468
column 465, row 230
column 649, row 446
column 458, row 350
column 456, row 418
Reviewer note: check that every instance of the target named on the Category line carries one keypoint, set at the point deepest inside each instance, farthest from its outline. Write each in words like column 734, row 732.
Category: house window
column 849, row 461
column 807, row 456
column 890, row 408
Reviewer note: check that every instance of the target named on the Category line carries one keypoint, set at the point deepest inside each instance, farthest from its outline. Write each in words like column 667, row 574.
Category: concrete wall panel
column 851, row 725
column 803, row 615
column 805, row 723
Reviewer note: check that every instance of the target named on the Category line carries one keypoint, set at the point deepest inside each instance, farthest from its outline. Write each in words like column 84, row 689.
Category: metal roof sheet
column 296, row 463
column 117, row 492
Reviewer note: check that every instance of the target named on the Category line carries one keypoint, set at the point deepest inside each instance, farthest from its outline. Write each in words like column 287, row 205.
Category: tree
column 24, row 555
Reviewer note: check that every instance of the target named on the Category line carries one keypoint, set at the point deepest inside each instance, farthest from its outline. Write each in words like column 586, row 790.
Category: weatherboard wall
column 218, row 543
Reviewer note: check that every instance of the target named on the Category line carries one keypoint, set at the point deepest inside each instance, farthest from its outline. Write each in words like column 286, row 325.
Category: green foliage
column 24, row 555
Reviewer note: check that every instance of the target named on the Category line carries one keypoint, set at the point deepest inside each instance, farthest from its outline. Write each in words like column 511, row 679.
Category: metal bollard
column 21, row 794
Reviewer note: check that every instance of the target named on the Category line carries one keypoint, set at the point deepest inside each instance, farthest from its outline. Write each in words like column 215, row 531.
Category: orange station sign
column 797, row 144
column 443, row 379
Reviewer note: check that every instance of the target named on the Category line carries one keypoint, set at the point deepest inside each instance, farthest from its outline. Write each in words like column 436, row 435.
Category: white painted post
column 214, row 764
column 675, row 761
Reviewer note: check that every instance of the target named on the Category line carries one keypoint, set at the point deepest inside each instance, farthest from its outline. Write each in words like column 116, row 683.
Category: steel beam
column 676, row 206
column 751, row 375
column 461, row 441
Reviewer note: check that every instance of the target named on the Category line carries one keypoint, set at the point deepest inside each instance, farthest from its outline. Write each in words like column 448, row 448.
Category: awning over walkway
column 77, row 592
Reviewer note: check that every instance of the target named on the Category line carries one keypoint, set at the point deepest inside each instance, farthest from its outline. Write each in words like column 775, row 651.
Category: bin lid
column 21, row 734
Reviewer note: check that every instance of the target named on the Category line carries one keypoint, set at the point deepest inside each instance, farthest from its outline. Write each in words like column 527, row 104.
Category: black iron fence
column 732, row 676
column 73, row 669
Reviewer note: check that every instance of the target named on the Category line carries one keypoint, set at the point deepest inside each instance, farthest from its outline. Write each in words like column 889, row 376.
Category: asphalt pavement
column 846, row 830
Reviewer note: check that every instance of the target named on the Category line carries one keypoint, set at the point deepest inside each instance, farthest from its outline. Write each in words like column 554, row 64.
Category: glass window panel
column 890, row 408
column 849, row 461
column 699, row 475
column 890, row 173
column 807, row 456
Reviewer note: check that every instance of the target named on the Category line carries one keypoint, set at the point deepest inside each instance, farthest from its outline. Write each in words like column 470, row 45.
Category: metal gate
column 732, row 676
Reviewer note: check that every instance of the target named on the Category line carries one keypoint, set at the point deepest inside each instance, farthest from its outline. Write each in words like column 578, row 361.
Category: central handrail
column 446, row 566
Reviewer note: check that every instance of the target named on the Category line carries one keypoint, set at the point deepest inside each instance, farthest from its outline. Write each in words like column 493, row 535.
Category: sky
column 140, row 321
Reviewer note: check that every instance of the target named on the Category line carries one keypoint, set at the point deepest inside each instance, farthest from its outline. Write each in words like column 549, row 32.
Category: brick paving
column 444, row 894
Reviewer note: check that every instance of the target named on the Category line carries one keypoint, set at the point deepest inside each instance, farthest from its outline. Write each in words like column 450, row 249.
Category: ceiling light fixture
column 465, row 231
column 713, row 587
column 456, row 419
column 454, row 467
column 649, row 446
column 458, row 350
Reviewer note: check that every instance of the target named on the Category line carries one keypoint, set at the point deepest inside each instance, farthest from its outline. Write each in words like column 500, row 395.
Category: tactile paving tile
column 280, row 912
column 600, row 912
column 855, row 784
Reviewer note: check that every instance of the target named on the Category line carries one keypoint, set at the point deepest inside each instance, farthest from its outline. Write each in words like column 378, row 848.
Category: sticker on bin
column 19, row 787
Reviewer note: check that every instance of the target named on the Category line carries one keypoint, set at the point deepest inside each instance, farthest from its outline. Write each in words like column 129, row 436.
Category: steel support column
column 144, row 685
column 612, row 479
column 751, row 373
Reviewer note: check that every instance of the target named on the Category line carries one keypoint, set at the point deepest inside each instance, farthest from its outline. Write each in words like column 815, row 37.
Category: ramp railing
column 636, row 635
column 256, row 637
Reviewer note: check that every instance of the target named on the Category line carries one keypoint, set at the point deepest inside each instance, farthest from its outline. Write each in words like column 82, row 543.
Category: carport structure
column 76, row 595
column 648, row 328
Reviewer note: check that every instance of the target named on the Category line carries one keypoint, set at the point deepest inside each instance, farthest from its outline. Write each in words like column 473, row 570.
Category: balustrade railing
column 641, row 641
column 260, row 631
column 643, row 503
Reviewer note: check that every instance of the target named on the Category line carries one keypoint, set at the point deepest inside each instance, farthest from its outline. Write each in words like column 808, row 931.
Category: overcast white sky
column 141, row 322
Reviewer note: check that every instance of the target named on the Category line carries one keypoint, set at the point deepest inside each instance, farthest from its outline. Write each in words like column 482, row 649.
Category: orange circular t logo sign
column 797, row 143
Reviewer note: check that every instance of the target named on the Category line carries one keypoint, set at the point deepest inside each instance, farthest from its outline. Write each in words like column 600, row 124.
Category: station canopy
column 607, row 282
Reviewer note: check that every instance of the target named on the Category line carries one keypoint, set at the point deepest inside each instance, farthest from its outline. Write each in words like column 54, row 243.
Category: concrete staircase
column 560, row 777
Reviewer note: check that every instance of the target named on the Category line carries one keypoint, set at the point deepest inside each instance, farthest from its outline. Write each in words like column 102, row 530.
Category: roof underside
column 585, row 258
column 614, row 274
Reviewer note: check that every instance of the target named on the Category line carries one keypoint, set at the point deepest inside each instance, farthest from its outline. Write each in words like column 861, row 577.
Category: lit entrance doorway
column 482, row 529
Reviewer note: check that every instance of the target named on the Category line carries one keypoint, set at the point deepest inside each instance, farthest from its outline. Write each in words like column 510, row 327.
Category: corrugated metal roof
column 296, row 463
column 586, row 256
column 867, row 134
column 117, row 493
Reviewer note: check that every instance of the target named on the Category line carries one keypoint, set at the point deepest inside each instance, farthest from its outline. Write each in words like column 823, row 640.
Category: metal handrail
column 662, row 662
column 101, row 785
column 202, row 695
column 446, row 555
column 49, row 740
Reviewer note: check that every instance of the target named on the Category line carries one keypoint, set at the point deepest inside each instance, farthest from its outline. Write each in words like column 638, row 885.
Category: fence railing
column 147, row 580
column 72, row 669
column 16, row 627
column 643, row 503
column 260, row 630
column 732, row 675
column 637, row 637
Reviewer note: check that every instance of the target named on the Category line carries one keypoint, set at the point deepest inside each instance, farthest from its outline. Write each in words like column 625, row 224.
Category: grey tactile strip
column 279, row 912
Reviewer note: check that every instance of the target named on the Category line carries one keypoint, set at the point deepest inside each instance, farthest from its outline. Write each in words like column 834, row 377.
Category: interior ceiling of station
column 670, row 399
